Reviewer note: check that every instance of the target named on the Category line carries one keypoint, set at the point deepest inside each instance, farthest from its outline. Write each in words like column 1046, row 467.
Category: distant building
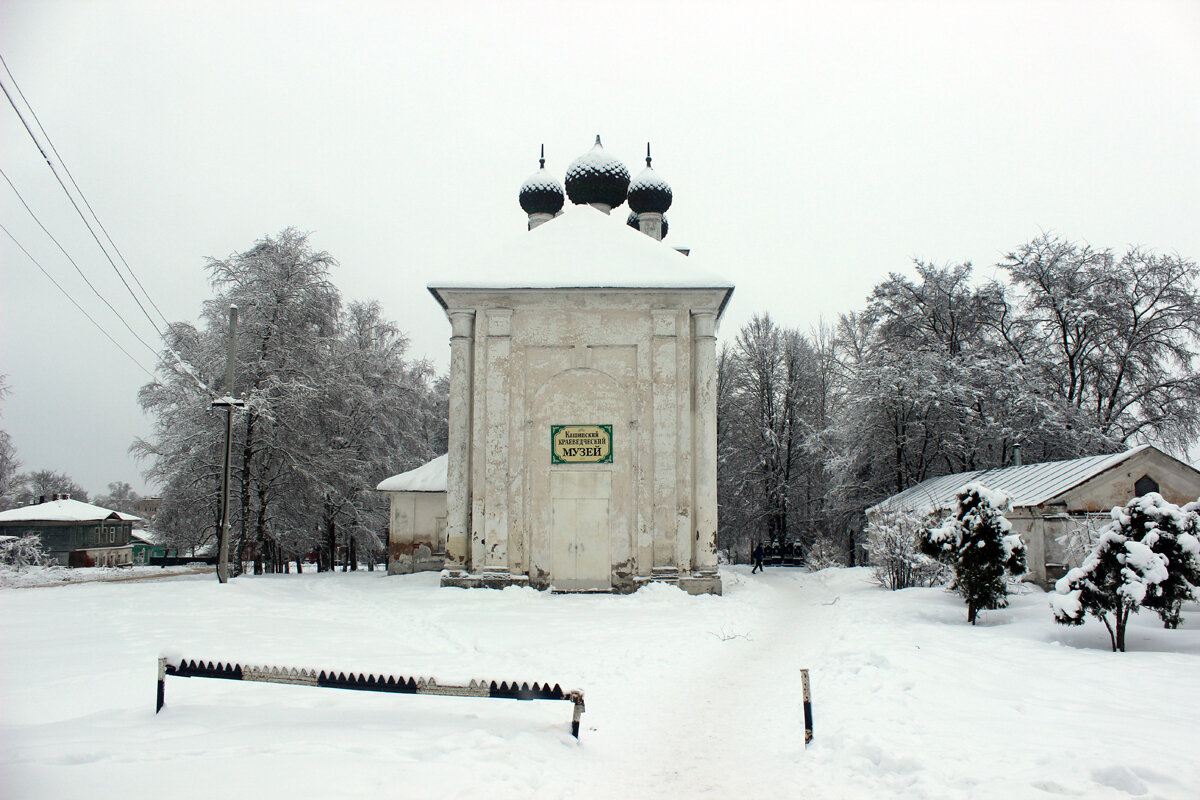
column 73, row 533
column 147, row 507
column 148, row 549
column 1052, row 499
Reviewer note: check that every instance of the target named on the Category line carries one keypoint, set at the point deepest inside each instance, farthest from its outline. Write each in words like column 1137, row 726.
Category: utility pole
column 228, row 403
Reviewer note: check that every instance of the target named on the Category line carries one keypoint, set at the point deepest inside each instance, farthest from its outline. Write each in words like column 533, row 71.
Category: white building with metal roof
column 1052, row 499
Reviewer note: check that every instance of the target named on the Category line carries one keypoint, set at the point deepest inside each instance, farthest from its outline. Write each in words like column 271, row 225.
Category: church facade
column 582, row 441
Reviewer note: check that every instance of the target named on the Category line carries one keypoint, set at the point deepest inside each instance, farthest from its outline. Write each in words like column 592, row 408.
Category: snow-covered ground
column 686, row 696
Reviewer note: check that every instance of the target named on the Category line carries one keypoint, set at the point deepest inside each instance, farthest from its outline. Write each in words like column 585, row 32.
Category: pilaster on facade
column 458, row 486
column 664, row 346
column 704, row 553
column 496, row 472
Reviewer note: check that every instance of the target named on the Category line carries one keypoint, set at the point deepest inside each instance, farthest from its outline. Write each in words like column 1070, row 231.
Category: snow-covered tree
column 895, row 558
column 22, row 551
column 1148, row 557
column 824, row 553
column 977, row 543
column 1114, row 337
column 378, row 415
column 184, row 454
column 333, row 405
column 775, row 393
column 1080, row 351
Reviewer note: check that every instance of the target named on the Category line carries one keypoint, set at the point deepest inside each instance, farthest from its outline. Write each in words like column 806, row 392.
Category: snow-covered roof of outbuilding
column 430, row 477
column 63, row 511
column 1026, row 485
column 583, row 248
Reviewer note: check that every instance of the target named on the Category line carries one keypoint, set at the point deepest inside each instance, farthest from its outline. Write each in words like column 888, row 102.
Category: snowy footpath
column 686, row 696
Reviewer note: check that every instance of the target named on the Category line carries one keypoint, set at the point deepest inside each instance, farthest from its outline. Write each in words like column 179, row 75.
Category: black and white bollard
column 162, row 684
column 808, row 725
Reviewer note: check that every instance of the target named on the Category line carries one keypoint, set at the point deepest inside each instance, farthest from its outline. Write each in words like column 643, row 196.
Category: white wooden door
column 580, row 533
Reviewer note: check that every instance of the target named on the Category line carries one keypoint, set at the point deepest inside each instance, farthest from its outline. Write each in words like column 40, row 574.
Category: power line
column 67, row 294
column 78, row 210
column 76, row 266
column 183, row 365
column 82, row 196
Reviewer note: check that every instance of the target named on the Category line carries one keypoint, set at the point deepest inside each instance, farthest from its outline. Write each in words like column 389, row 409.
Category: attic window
column 1145, row 485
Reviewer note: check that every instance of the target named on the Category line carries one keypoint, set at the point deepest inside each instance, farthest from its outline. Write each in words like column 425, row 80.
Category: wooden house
column 74, row 533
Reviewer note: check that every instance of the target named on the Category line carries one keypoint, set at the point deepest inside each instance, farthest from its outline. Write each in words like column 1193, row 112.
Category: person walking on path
column 758, row 557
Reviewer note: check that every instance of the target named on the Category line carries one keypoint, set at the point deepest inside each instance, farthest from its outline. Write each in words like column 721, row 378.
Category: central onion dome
column 541, row 193
column 597, row 177
column 648, row 192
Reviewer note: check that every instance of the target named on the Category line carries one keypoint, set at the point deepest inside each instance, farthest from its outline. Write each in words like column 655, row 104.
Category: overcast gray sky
column 813, row 147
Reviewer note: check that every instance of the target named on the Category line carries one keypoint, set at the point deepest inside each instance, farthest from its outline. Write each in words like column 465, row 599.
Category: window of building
column 1145, row 485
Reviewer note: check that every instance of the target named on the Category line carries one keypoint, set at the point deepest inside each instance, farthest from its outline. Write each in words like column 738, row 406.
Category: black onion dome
column 649, row 192
column 541, row 194
column 597, row 177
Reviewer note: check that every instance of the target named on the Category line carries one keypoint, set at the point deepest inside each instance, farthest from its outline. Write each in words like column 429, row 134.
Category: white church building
column 582, row 438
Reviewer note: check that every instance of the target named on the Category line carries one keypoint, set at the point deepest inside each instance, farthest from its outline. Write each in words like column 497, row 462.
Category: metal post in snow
column 808, row 721
column 162, row 684
column 228, row 403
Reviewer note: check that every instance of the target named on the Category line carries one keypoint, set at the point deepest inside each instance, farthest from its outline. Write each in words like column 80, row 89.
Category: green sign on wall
column 581, row 444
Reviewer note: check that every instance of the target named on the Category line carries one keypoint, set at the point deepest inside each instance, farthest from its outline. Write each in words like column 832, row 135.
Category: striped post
column 162, row 684
column 808, row 722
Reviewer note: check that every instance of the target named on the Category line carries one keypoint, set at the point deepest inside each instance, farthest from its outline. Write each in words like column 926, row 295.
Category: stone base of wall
column 404, row 565
column 486, row 580
column 695, row 583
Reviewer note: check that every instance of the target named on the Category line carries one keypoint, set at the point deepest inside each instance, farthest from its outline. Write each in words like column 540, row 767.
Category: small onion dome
column 649, row 192
column 541, row 193
column 632, row 221
column 597, row 177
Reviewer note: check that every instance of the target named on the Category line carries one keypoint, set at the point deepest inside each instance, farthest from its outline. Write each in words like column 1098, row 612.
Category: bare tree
column 45, row 483
column 9, row 463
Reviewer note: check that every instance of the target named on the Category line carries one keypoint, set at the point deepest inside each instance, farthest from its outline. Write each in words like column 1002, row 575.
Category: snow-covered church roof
column 583, row 248
column 1026, row 485
column 63, row 511
column 430, row 477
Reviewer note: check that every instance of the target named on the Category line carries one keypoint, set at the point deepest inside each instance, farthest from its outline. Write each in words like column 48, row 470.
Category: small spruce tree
column 977, row 544
column 1147, row 557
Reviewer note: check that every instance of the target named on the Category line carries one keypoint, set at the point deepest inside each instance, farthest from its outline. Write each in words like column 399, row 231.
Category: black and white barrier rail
column 184, row 668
